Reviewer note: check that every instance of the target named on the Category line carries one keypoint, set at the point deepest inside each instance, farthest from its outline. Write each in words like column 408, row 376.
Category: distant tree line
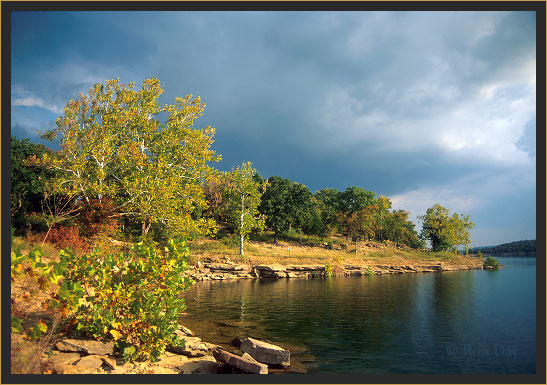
column 525, row 247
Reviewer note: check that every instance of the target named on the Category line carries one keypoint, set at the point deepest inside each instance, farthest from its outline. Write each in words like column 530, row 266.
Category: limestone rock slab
column 265, row 352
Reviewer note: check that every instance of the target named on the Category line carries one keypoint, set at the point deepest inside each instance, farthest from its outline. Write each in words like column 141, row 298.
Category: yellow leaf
column 116, row 334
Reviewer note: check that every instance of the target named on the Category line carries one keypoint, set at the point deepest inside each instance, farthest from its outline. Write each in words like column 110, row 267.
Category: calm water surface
column 451, row 322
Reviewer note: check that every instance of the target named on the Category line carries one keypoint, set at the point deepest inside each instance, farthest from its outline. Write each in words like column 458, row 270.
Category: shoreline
column 230, row 270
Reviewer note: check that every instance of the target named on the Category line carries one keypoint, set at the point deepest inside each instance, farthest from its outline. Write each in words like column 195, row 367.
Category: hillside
column 512, row 248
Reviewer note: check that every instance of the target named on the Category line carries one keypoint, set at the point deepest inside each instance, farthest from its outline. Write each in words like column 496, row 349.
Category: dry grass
column 368, row 253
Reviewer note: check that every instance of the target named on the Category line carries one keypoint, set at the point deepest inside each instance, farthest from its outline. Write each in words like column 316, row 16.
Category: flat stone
column 94, row 362
column 279, row 274
column 60, row 360
column 227, row 267
column 193, row 347
column 109, row 362
column 86, row 346
column 271, row 267
column 240, row 362
column 72, row 369
column 265, row 352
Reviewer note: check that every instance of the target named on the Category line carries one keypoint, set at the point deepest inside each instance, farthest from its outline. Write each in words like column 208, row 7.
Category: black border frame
column 7, row 7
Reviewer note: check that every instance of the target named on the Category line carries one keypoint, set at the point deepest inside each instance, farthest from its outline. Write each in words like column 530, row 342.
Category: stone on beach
column 86, row 346
column 265, row 352
column 243, row 363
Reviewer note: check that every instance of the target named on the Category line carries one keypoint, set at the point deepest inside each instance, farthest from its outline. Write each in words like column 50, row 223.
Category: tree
column 241, row 197
column 354, row 199
column 275, row 205
column 444, row 231
column 328, row 206
column 118, row 142
column 27, row 180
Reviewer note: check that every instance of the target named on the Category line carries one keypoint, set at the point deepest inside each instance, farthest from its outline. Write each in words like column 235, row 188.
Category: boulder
column 240, row 362
column 265, row 352
column 86, row 346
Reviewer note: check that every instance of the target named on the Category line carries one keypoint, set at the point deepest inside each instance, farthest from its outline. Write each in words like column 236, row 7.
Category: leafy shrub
column 96, row 218
column 132, row 297
column 65, row 237
column 369, row 272
column 330, row 246
column 490, row 262
column 343, row 246
column 328, row 269
column 38, row 276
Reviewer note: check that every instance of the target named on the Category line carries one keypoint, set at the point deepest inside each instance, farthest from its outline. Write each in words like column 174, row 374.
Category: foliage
column 329, row 269
column 132, row 297
column 241, row 195
column 528, row 246
column 369, row 272
column 31, row 266
column 26, row 180
column 275, row 205
column 65, row 237
column 118, row 142
column 491, row 262
column 445, row 232
column 97, row 217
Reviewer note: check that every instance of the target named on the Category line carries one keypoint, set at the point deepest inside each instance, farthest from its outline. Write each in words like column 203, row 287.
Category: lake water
column 451, row 322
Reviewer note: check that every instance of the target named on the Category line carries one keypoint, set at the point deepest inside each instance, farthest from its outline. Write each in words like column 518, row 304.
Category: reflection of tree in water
column 348, row 315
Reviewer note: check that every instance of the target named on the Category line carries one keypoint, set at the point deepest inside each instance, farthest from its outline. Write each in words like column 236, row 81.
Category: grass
column 262, row 250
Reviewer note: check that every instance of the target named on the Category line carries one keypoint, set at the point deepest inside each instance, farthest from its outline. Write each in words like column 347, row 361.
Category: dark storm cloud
column 410, row 104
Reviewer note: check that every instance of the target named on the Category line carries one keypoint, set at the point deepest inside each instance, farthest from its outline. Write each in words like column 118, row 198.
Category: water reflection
column 384, row 324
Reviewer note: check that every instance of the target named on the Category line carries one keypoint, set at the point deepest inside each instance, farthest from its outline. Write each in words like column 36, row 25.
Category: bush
column 132, row 297
column 491, row 263
column 65, row 237
column 343, row 246
column 330, row 246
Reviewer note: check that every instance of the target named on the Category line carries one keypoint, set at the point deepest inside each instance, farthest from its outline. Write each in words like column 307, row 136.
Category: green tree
column 444, row 231
column 275, row 205
column 27, row 180
column 355, row 198
column 118, row 142
column 328, row 206
column 241, row 198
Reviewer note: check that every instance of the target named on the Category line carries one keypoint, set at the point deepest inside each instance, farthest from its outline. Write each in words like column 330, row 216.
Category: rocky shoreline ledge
column 230, row 270
column 73, row 356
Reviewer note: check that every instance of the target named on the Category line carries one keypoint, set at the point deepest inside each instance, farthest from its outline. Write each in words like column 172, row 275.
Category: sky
column 422, row 107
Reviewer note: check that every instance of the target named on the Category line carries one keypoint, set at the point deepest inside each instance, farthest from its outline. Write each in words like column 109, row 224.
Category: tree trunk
column 146, row 223
column 241, row 225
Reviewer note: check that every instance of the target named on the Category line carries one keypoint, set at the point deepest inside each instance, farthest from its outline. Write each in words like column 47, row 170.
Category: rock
column 270, row 268
column 193, row 347
column 240, row 362
column 236, row 342
column 93, row 362
column 109, row 362
column 227, row 267
column 279, row 274
column 186, row 331
column 123, row 369
column 247, row 356
column 207, row 365
column 60, row 360
column 265, row 352
column 86, row 346
column 72, row 369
